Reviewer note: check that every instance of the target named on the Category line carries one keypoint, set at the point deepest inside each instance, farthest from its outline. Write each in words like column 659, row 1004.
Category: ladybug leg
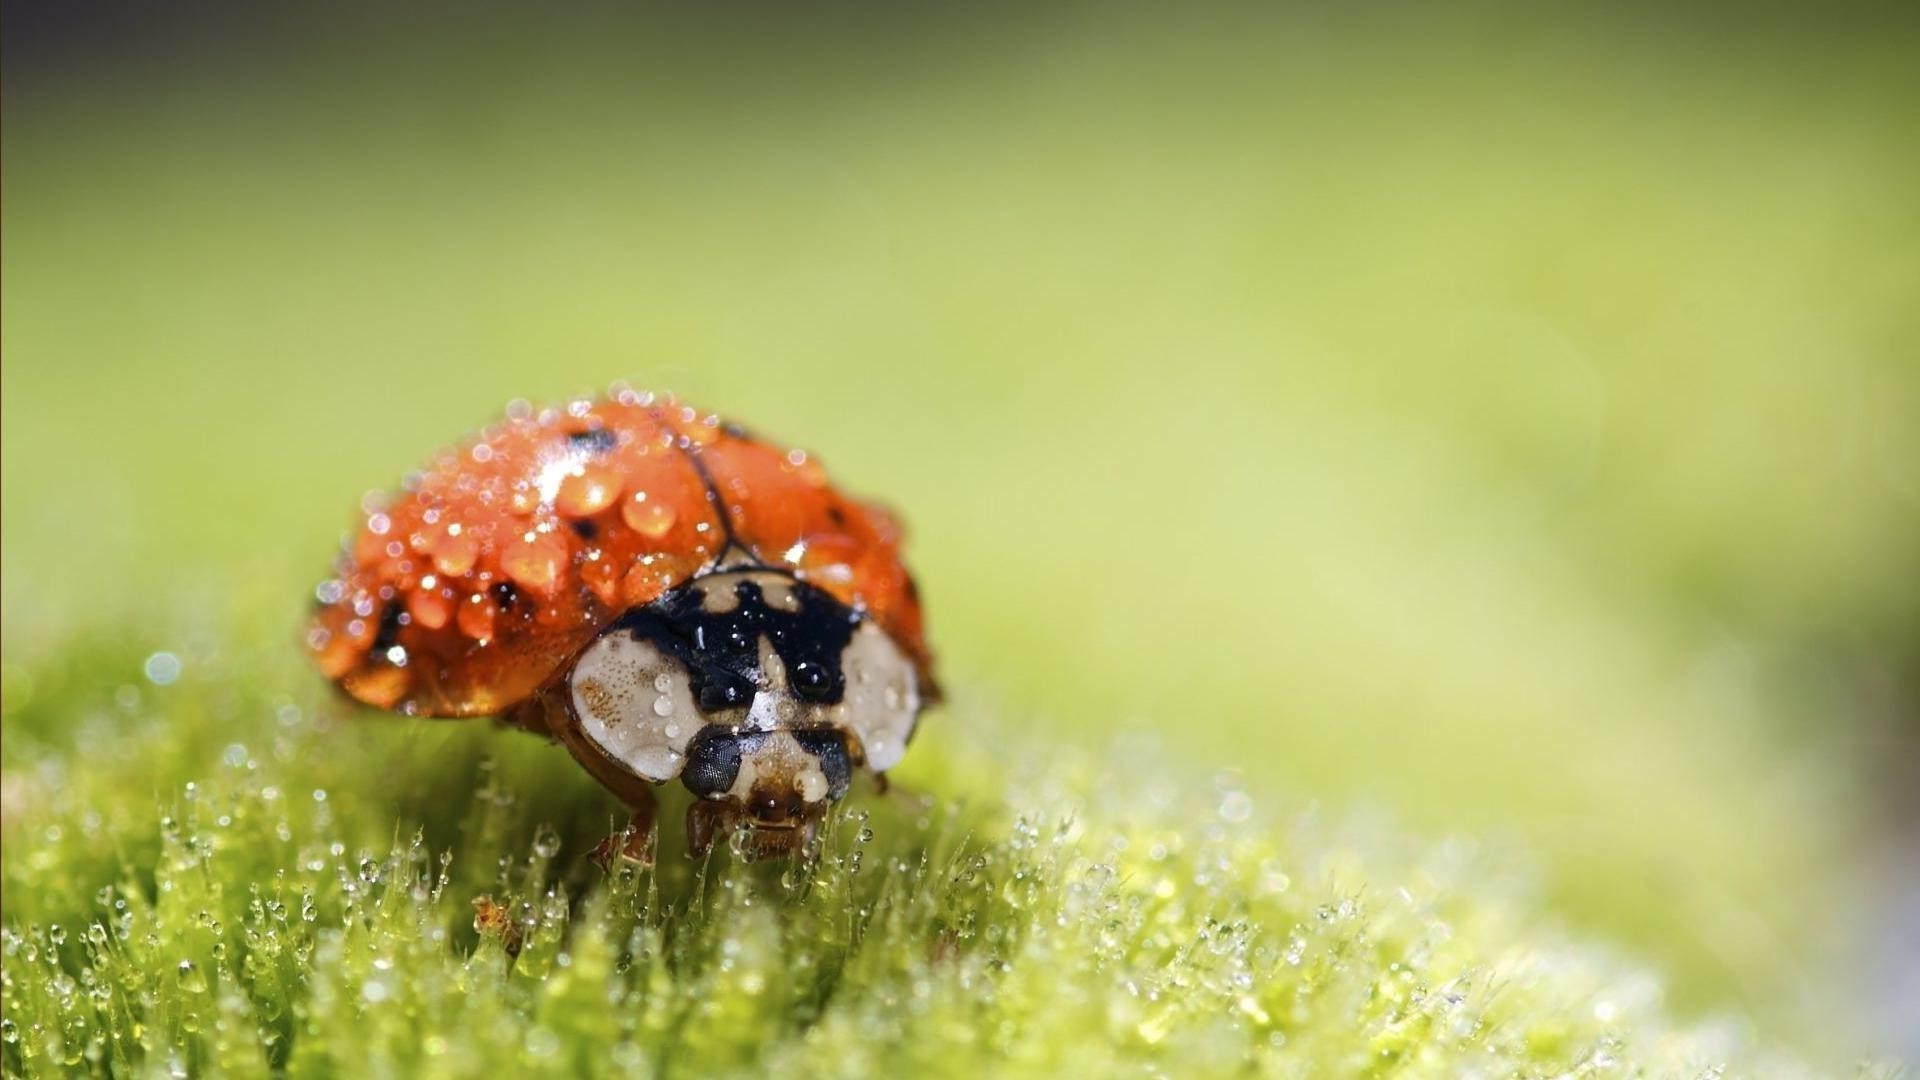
column 635, row 842
column 707, row 820
column 901, row 796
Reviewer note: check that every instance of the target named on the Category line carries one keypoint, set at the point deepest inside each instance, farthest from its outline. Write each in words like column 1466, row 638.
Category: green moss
column 1503, row 413
column 233, row 874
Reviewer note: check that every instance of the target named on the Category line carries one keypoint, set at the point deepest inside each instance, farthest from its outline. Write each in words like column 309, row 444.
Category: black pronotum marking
column 721, row 652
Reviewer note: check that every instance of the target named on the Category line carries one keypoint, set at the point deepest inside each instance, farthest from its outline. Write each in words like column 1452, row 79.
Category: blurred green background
column 1502, row 417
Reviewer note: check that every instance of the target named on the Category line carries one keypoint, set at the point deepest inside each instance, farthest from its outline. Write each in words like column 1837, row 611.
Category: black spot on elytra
column 721, row 652
column 836, row 515
column 504, row 594
column 391, row 620
column 596, row 441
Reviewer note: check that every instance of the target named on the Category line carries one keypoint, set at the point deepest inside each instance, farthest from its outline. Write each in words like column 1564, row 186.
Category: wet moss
column 233, row 873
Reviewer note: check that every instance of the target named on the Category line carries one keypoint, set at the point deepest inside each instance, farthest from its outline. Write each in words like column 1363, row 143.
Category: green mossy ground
column 1503, row 415
column 235, row 873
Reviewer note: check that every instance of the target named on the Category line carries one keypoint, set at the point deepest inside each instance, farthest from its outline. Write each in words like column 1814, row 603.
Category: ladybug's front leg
column 707, row 820
column 635, row 842
column 918, row 802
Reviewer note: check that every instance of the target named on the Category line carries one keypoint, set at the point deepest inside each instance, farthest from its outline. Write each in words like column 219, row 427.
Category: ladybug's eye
column 713, row 762
column 635, row 703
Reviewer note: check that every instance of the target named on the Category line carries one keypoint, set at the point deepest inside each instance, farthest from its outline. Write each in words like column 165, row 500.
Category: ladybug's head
column 780, row 779
column 760, row 692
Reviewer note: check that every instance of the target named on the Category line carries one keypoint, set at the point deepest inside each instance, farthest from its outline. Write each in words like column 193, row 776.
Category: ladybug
column 661, row 592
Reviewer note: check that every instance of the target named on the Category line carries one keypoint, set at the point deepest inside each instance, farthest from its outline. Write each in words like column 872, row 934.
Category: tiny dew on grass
column 225, row 872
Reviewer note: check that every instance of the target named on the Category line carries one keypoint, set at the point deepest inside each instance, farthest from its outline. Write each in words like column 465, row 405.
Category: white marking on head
column 811, row 782
column 882, row 699
column 777, row 757
column 635, row 704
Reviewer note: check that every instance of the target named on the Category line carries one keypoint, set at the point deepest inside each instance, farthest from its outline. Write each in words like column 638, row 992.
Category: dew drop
column 650, row 519
column 162, row 668
column 546, row 842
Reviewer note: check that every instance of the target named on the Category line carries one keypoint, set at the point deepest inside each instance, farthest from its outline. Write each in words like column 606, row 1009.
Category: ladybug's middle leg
column 918, row 802
column 635, row 842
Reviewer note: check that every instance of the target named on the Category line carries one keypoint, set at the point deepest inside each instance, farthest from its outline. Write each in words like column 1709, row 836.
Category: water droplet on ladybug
column 811, row 679
column 650, row 518
column 536, row 564
column 587, row 492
